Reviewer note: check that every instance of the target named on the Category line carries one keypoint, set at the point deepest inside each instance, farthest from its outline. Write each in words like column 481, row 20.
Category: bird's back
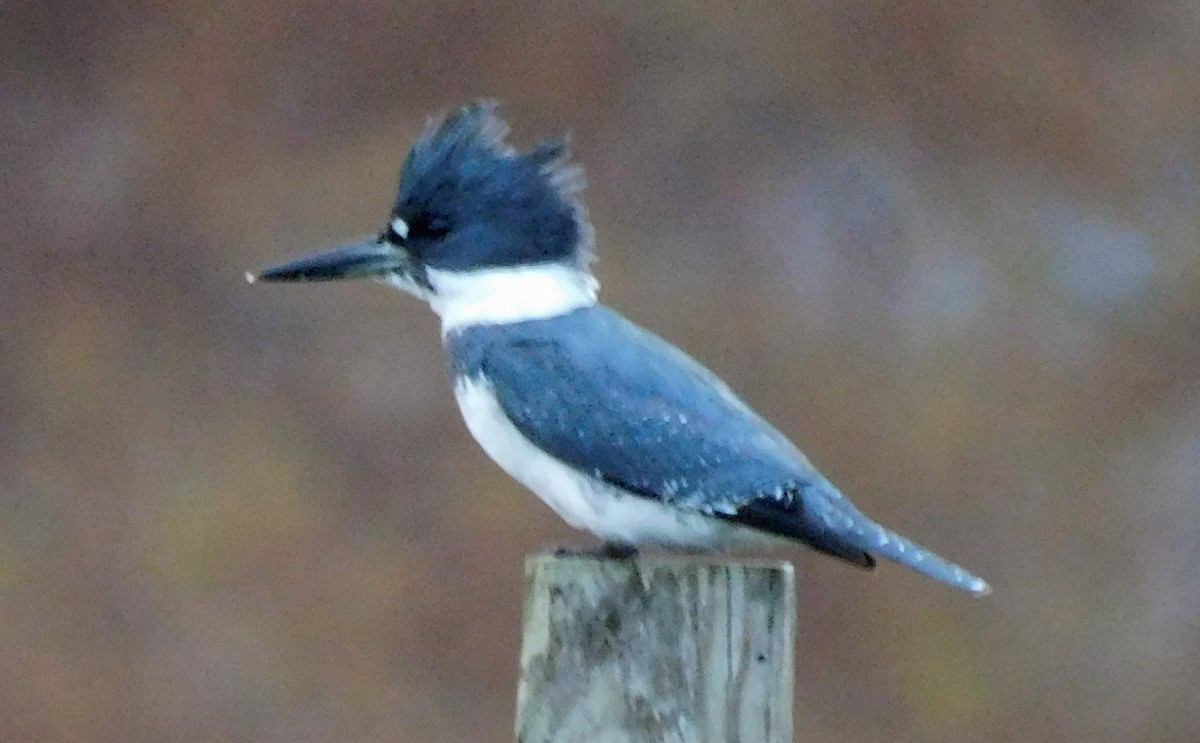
column 606, row 396
column 619, row 405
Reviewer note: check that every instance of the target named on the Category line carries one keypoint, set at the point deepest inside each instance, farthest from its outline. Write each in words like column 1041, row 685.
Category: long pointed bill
column 362, row 259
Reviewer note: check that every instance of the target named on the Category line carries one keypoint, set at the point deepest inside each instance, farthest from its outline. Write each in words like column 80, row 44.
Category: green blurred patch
column 251, row 501
column 940, row 673
column 13, row 569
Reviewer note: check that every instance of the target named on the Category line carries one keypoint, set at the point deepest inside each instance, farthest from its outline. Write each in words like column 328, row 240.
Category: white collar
column 508, row 295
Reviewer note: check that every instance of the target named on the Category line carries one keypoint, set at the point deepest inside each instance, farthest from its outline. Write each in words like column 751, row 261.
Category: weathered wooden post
column 656, row 648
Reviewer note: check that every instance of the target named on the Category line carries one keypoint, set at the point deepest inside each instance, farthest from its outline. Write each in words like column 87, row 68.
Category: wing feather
column 616, row 402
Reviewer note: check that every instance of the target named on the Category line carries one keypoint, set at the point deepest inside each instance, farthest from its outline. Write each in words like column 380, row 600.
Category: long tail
column 827, row 522
column 854, row 527
column 906, row 552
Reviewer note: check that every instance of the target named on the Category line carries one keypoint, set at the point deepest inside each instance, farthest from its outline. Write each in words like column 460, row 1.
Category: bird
column 619, row 432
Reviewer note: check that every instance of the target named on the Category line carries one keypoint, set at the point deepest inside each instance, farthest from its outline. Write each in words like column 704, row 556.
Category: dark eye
column 429, row 227
column 420, row 226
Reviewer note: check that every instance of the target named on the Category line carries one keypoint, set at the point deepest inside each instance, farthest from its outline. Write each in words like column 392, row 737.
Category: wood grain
column 656, row 648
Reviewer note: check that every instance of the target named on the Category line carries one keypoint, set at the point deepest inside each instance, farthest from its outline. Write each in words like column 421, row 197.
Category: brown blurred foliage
column 950, row 247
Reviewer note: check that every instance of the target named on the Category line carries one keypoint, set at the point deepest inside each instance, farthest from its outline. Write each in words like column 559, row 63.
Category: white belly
column 582, row 501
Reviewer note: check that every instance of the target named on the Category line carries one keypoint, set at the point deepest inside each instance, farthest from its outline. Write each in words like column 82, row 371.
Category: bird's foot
column 611, row 550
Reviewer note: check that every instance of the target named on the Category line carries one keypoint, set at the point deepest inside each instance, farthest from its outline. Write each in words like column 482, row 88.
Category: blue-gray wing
column 617, row 403
column 620, row 404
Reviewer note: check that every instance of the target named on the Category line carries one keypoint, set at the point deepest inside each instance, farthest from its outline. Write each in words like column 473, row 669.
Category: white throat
column 507, row 295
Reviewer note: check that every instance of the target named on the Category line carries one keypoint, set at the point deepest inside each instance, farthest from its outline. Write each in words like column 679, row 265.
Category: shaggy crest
column 461, row 173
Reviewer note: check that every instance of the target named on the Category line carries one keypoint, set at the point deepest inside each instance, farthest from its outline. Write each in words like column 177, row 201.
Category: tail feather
column 841, row 517
column 906, row 552
column 830, row 524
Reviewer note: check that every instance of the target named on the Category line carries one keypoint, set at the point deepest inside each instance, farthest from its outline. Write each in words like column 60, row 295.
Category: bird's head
column 483, row 232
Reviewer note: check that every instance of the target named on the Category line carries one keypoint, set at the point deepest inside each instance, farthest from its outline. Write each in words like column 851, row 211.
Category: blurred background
column 952, row 249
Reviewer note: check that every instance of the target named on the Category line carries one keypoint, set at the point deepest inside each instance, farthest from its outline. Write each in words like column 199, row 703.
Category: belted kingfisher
column 618, row 431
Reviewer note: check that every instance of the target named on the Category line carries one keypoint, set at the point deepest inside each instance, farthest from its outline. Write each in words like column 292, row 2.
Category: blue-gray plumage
column 617, row 430
column 611, row 400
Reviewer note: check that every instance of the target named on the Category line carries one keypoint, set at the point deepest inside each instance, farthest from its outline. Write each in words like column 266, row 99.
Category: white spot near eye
column 400, row 227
